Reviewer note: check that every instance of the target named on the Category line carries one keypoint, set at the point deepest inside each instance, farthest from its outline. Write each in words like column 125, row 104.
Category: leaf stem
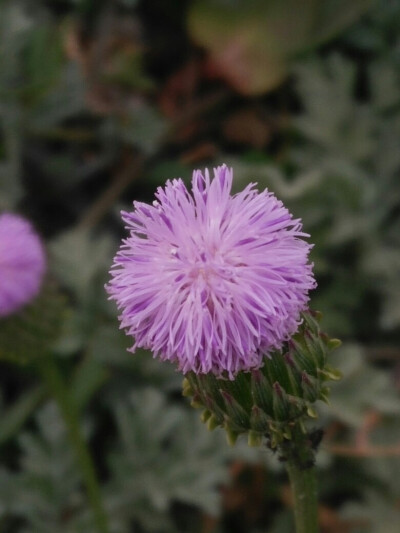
column 304, row 489
column 51, row 376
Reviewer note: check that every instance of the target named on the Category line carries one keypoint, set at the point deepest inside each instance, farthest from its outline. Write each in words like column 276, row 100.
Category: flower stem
column 51, row 376
column 304, row 489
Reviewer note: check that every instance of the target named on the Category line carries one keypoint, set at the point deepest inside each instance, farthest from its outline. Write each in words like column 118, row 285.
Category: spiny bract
column 276, row 400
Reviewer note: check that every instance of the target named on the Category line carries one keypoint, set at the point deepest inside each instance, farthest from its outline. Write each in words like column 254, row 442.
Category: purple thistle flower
column 211, row 281
column 22, row 263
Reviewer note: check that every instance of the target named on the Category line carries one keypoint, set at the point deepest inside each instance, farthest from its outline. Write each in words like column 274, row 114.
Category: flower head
column 209, row 280
column 22, row 263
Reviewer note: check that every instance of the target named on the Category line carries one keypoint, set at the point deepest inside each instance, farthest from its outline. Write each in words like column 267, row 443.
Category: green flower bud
column 275, row 401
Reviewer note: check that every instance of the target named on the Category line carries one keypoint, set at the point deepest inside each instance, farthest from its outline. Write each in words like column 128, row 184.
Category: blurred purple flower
column 22, row 263
column 211, row 281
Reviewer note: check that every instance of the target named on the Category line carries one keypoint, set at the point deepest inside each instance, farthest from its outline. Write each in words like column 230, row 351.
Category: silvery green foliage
column 163, row 456
column 349, row 163
column 81, row 261
column 46, row 493
column 344, row 181
column 380, row 394
column 358, row 167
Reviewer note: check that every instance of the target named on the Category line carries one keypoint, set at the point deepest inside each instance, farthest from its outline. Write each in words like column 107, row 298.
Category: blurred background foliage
column 100, row 102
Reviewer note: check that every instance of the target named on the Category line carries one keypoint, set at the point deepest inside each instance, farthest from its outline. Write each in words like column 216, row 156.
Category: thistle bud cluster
column 273, row 403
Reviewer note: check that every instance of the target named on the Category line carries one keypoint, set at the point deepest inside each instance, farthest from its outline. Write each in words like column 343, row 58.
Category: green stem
column 304, row 489
column 50, row 373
